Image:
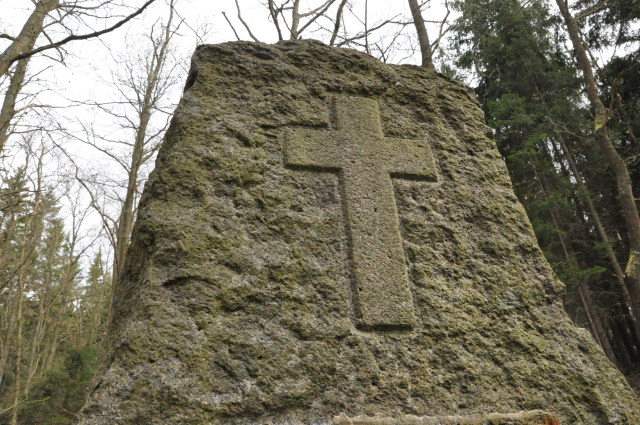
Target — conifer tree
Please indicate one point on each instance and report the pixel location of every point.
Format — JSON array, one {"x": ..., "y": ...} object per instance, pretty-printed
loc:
[{"x": 530, "y": 93}]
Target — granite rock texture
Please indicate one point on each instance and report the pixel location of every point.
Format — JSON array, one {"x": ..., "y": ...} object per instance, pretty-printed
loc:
[
  {"x": 521, "y": 418},
  {"x": 242, "y": 302}
]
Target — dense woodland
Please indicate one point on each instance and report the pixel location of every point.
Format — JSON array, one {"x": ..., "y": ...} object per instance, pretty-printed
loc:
[{"x": 558, "y": 80}]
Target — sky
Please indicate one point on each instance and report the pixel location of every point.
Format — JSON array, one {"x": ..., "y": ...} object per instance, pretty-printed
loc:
[
  {"x": 88, "y": 69},
  {"x": 87, "y": 62}
]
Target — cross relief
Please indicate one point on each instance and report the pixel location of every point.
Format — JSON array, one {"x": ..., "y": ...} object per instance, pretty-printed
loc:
[{"x": 366, "y": 161}]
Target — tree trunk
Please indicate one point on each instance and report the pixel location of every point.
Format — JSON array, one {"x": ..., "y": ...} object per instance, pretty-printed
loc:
[
  {"x": 9, "y": 322},
  {"x": 9, "y": 104},
  {"x": 336, "y": 27},
  {"x": 295, "y": 20},
  {"x": 618, "y": 330},
  {"x": 15, "y": 401},
  {"x": 423, "y": 36},
  {"x": 36, "y": 341},
  {"x": 598, "y": 329},
  {"x": 148, "y": 103},
  {"x": 617, "y": 164},
  {"x": 28, "y": 35},
  {"x": 44, "y": 318}
]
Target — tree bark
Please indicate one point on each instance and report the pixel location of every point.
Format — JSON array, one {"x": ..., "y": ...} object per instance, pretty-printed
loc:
[
  {"x": 617, "y": 164},
  {"x": 423, "y": 36},
  {"x": 336, "y": 27},
  {"x": 7, "y": 112},
  {"x": 28, "y": 35},
  {"x": 598, "y": 329},
  {"x": 295, "y": 20},
  {"x": 9, "y": 104}
]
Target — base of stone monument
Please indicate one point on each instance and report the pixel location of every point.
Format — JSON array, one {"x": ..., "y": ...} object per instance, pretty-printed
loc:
[{"x": 535, "y": 417}]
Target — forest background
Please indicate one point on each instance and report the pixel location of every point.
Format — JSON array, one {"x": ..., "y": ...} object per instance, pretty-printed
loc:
[{"x": 88, "y": 88}]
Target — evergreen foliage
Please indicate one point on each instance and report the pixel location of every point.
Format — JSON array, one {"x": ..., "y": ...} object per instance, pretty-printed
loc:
[
  {"x": 533, "y": 99},
  {"x": 61, "y": 390},
  {"x": 51, "y": 318}
]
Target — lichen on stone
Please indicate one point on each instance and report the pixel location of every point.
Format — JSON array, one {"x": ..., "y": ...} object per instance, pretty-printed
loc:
[{"x": 236, "y": 304}]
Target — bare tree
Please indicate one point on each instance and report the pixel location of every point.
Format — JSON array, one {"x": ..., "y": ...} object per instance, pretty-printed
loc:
[
  {"x": 47, "y": 16},
  {"x": 26, "y": 39},
  {"x": 22, "y": 46},
  {"x": 142, "y": 110},
  {"x": 288, "y": 15},
  {"x": 325, "y": 20}
]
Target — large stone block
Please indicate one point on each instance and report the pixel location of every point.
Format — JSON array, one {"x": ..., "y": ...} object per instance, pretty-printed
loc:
[{"x": 327, "y": 239}]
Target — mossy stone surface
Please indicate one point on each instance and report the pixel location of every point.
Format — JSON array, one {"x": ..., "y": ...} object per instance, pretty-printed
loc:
[{"x": 237, "y": 303}]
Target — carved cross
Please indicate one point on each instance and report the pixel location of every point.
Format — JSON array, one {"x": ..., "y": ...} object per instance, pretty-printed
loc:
[{"x": 365, "y": 161}]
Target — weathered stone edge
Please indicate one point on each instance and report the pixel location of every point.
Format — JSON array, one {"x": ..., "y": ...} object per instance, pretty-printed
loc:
[{"x": 534, "y": 417}]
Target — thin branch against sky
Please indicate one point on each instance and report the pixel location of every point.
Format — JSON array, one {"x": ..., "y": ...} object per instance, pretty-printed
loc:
[{"x": 79, "y": 93}]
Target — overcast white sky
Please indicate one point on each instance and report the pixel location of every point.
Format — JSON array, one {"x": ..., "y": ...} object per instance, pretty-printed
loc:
[
  {"x": 85, "y": 74},
  {"x": 196, "y": 13},
  {"x": 88, "y": 64}
]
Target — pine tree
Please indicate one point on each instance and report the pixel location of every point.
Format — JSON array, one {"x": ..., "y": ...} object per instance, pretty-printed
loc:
[{"x": 531, "y": 97}]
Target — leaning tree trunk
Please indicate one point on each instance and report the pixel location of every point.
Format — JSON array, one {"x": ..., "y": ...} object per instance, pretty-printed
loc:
[
  {"x": 598, "y": 328},
  {"x": 28, "y": 35},
  {"x": 8, "y": 110},
  {"x": 616, "y": 163}
]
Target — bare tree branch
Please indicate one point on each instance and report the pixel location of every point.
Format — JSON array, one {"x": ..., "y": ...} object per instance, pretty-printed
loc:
[
  {"x": 316, "y": 16},
  {"x": 25, "y": 401},
  {"x": 74, "y": 38},
  {"x": 359, "y": 36},
  {"x": 244, "y": 23},
  {"x": 274, "y": 16},
  {"x": 592, "y": 10},
  {"x": 336, "y": 28},
  {"x": 231, "y": 25},
  {"x": 442, "y": 30}
]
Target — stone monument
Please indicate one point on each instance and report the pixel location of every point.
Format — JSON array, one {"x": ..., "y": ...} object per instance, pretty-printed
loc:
[{"x": 327, "y": 239}]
